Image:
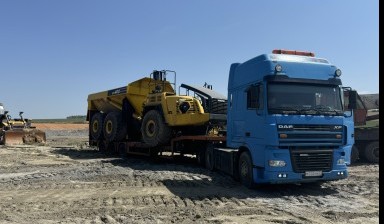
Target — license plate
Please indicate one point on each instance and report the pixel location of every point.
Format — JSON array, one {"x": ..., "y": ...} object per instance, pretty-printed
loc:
[{"x": 313, "y": 173}]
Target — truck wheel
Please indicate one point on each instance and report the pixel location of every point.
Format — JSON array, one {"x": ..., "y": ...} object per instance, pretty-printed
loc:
[
  {"x": 114, "y": 128},
  {"x": 209, "y": 159},
  {"x": 200, "y": 156},
  {"x": 371, "y": 152},
  {"x": 122, "y": 149},
  {"x": 154, "y": 130},
  {"x": 354, "y": 154},
  {"x": 96, "y": 126},
  {"x": 102, "y": 146},
  {"x": 110, "y": 149},
  {"x": 246, "y": 170}
]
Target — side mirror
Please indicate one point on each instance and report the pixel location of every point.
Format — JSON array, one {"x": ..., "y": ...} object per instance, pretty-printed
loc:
[{"x": 352, "y": 100}]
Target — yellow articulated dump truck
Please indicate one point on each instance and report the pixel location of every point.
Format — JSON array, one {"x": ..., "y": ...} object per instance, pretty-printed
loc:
[
  {"x": 19, "y": 130},
  {"x": 147, "y": 114}
]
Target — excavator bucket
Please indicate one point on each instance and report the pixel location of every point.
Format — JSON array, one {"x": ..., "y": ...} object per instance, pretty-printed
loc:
[{"x": 24, "y": 136}]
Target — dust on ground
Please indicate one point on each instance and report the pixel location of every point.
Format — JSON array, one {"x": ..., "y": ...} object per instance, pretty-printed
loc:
[{"x": 65, "y": 181}]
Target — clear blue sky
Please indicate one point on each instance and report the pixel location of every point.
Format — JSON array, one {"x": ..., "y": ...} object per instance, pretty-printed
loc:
[{"x": 54, "y": 53}]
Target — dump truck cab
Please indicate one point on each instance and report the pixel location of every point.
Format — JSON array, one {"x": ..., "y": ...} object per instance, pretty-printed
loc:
[
  {"x": 286, "y": 117},
  {"x": 178, "y": 110}
]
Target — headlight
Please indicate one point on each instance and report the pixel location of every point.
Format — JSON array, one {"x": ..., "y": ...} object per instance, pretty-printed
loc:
[
  {"x": 341, "y": 162},
  {"x": 278, "y": 68},
  {"x": 338, "y": 72},
  {"x": 184, "y": 107},
  {"x": 276, "y": 163}
]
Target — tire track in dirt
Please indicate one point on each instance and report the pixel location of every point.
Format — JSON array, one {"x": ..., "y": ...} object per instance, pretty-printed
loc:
[{"x": 79, "y": 185}]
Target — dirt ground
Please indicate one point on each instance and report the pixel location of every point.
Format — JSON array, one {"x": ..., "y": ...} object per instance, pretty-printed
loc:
[{"x": 65, "y": 181}]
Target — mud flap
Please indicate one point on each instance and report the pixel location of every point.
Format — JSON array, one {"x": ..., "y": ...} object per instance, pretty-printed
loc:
[{"x": 24, "y": 136}]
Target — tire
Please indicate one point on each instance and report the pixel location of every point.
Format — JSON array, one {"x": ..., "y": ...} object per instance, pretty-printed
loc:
[
  {"x": 154, "y": 153},
  {"x": 154, "y": 130},
  {"x": 122, "y": 149},
  {"x": 200, "y": 156},
  {"x": 102, "y": 146},
  {"x": 354, "y": 154},
  {"x": 96, "y": 126},
  {"x": 110, "y": 151},
  {"x": 246, "y": 170},
  {"x": 114, "y": 129},
  {"x": 371, "y": 152},
  {"x": 209, "y": 159}
]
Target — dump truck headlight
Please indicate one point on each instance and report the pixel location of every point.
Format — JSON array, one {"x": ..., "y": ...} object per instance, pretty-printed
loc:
[
  {"x": 341, "y": 162},
  {"x": 276, "y": 163},
  {"x": 184, "y": 107}
]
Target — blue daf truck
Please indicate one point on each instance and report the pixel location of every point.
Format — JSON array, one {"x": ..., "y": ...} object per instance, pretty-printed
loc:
[
  {"x": 284, "y": 120},
  {"x": 287, "y": 121}
]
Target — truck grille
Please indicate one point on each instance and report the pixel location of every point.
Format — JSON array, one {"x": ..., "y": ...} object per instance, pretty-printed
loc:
[
  {"x": 311, "y": 160},
  {"x": 310, "y": 135}
]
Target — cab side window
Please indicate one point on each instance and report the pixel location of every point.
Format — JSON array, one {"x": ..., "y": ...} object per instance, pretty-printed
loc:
[{"x": 255, "y": 97}]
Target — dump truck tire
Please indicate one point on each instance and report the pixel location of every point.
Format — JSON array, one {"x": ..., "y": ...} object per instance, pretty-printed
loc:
[
  {"x": 200, "y": 155},
  {"x": 122, "y": 148},
  {"x": 354, "y": 154},
  {"x": 102, "y": 146},
  {"x": 96, "y": 126},
  {"x": 246, "y": 170},
  {"x": 371, "y": 152},
  {"x": 154, "y": 130},
  {"x": 114, "y": 129}
]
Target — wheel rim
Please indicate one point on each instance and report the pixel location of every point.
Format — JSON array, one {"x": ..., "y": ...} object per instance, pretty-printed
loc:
[
  {"x": 150, "y": 128},
  {"x": 108, "y": 127},
  {"x": 95, "y": 126},
  {"x": 244, "y": 169}
]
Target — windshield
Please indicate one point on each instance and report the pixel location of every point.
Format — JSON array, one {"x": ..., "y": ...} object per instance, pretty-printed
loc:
[{"x": 295, "y": 98}]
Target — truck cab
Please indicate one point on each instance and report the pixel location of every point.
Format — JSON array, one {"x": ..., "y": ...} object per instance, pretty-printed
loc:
[{"x": 287, "y": 119}]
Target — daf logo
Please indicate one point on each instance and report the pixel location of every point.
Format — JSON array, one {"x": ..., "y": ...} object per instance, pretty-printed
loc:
[{"x": 285, "y": 126}]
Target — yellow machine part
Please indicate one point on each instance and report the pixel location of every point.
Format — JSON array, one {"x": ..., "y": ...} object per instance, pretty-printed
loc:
[
  {"x": 144, "y": 92},
  {"x": 24, "y": 136},
  {"x": 136, "y": 92},
  {"x": 194, "y": 116}
]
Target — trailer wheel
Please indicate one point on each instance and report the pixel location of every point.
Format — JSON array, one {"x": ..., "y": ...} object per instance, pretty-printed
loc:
[
  {"x": 154, "y": 130},
  {"x": 209, "y": 159},
  {"x": 102, "y": 146},
  {"x": 371, "y": 152},
  {"x": 110, "y": 149},
  {"x": 200, "y": 156},
  {"x": 354, "y": 154},
  {"x": 114, "y": 128},
  {"x": 96, "y": 126},
  {"x": 122, "y": 149},
  {"x": 246, "y": 170}
]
